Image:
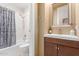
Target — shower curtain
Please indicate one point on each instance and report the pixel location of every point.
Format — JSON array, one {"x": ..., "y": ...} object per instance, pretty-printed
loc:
[{"x": 7, "y": 28}]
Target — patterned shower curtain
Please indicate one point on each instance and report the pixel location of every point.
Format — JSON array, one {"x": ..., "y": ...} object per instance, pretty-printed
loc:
[{"x": 7, "y": 28}]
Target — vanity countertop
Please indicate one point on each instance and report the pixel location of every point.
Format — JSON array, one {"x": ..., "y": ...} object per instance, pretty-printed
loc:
[{"x": 62, "y": 36}]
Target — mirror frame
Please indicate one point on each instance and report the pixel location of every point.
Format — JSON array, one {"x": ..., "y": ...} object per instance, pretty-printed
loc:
[{"x": 56, "y": 5}]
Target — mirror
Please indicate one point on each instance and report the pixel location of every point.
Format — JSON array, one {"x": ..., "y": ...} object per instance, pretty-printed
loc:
[
  {"x": 63, "y": 18},
  {"x": 61, "y": 15}
]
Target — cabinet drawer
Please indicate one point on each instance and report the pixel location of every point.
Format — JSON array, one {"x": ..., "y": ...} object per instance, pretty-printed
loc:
[
  {"x": 69, "y": 43},
  {"x": 50, "y": 40}
]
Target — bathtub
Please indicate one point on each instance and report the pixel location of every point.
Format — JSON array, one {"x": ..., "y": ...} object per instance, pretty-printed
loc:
[{"x": 20, "y": 49}]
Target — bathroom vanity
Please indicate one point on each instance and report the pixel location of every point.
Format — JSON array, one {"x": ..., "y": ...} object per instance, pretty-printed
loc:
[{"x": 61, "y": 45}]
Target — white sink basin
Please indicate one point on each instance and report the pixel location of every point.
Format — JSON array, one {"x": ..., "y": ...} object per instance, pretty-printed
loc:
[{"x": 62, "y": 36}]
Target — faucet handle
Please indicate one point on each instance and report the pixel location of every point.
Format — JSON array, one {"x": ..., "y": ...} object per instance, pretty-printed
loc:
[
  {"x": 24, "y": 35},
  {"x": 24, "y": 38}
]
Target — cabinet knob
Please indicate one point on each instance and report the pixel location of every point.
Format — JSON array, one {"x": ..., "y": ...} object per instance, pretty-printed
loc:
[{"x": 58, "y": 48}]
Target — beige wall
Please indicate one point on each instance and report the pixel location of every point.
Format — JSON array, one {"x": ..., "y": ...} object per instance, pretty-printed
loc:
[
  {"x": 42, "y": 25},
  {"x": 36, "y": 30},
  {"x": 41, "y": 18},
  {"x": 77, "y": 18},
  {"x": 39, "y": 28}
]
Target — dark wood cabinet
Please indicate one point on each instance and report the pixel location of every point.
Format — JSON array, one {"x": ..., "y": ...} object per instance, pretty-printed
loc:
[
  {"x": 59, "y": 47},
  {"x": 67, "y": 51},
  {"x": 50, "y": 49}
]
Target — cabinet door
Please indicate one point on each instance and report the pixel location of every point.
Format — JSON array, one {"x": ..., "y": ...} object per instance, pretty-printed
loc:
[
  {"x": 67, "y": 51},
  {"x": 50, "y": 49}
]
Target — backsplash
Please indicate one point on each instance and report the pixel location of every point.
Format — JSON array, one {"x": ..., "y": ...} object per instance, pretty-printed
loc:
[{"x": 61, "y": 31}]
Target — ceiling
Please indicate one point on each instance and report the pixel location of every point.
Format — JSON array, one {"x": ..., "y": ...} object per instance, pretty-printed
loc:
[{"x": 20, "y": 6}]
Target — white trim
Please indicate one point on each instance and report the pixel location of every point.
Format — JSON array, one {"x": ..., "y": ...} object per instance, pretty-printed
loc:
[{"x": 32, "y": 30}]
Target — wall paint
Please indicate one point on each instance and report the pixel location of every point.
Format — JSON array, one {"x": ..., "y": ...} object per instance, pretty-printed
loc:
[
  {"x": 42, "y": 26},
  {"x": 27, "y": 23},
  {"x": 41, "y": 18},
  {"x": 36, "y": 30},
  {"x": 77, "y": 18}
]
